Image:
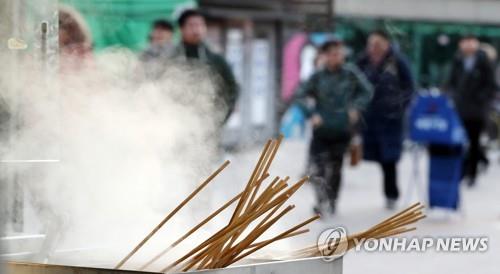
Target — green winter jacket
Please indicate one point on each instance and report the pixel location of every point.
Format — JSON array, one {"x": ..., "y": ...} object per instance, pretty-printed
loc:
[{"x": 333, "y": 94}]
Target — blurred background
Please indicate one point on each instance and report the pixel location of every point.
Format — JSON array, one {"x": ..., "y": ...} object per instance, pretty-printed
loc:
[{"x": 271, "y": 47}]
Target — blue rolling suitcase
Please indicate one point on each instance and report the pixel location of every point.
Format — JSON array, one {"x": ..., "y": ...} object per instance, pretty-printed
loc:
[{"x": 434, "y": 122}]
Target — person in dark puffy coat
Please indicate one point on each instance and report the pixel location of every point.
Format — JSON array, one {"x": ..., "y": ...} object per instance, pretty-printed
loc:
[
  {"x": 472, "y": 87},
  {"x": 391, "y": 77},
  {"x": 193, "y": 49}
]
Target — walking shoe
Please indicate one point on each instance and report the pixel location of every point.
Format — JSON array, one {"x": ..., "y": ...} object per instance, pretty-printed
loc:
[
  {"x": 317, "y": 210},
  {"x": 333, "y": 207},
  {"x": 471, "y": 182},
  {"x": 482, "y": 167},
  {"x": 390, "y": 204}
]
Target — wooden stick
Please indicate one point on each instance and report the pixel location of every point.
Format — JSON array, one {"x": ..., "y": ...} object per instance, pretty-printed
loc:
[
  {"x": 285, "y": 237},
  {"x": 270, "y": 215},
  {"x": 272, "y": 190},
  {"x": 209, "y": 258},
  {"x": 217, "y": 253},
  {"x": 278, "y": 143},
  {"x": 228, "y": 230},
  {"x": 250, "y": 238},
  {"x": 250, "y": 181},
  {"x": 190, "y": 232},
  {"x": 265, "y": 164},
  {"x": 262, "y": 200},
  {"x": 395, "y": 232},
  {"x": 313, "y": 251},
  {"x": 403, "y": 224},
  {"x": 255, "y": 190},
  {"x": 287, "y": 194},
  {"x": 268, "y": 157},
  {"x": 252, "y": 187},
  {"x": 408, "y": 210},
  {"x": 169, "y": 216},
  {"x": 272, "y": 240},
  {"x": 411, "y": 217},
  {"x": 293, "y": 189},
  {"x": 269, "y": 161},
  {"x": 260, "y": 169},
  {"x": 396, "y": 216},
  {"x": 216, "y": 243},
  {"x": 389, "y": 227},
  {"x": 276, "y": 238},
  {"x": 245, "y": 245},
  {"x": 220, "y": 249}
]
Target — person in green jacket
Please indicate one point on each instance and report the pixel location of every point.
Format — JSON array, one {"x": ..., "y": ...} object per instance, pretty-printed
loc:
[
  {"x": 192, "y": 48},
  {"x": 333, "y": 99}
]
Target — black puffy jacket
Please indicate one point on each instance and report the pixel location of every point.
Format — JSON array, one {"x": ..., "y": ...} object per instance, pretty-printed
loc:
[{"x": 472, "y": 91}]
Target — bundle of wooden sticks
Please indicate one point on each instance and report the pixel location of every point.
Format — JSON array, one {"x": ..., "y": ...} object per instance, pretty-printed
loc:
[
  {"x": 392, "y": 226},
  {"x": 258, "y": 207}
]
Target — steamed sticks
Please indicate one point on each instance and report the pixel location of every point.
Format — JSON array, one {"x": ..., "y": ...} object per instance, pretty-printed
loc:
[
  {"x": 194, "y": 229},
  {"x": 283, "y": 235},
  {"x": 395, "y": 225},
  {"x": 219, "y": 250},
  {"x": 228, "y": 231},
  {"x": 274, "y": 150},
  {"x": 251, "y": 180},
  {"x": 169, "y": 216},
  {"x": 238, "y": 248},
  {"x": 252, "y": 236},
  {"x": 222, "y": 260},
  {"x": 262, "y": 167},
  {"x": 282, "y": 238}
]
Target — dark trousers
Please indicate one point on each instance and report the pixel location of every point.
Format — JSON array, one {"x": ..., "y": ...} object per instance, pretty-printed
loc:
[
  {"x": 325, "y": 167},
  {"x": 474, "y": 128},
  {"x": 389, "y": 171}
]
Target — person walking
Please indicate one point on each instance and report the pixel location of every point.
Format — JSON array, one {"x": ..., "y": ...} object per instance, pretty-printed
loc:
[
  {"x": 390, "y": 74},
  {"x": 75, "y": 41},
  {"x": 472, "y": 87},
  {"x": 332, "y": 99},
  {"x": 193, "y": 48},
  {"x": 160, "y": 49},
  {"x": 160, "y": 41}
]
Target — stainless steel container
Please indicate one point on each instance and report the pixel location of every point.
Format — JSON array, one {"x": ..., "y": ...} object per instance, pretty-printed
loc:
[{"x": 309, "y": 265}]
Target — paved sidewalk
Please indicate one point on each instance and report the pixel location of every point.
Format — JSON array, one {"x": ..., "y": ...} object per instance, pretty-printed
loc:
[{"x": 361, "y": 205}]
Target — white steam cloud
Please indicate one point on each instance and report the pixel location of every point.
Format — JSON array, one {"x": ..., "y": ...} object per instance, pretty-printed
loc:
[{"x": 127, "y": 149}]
